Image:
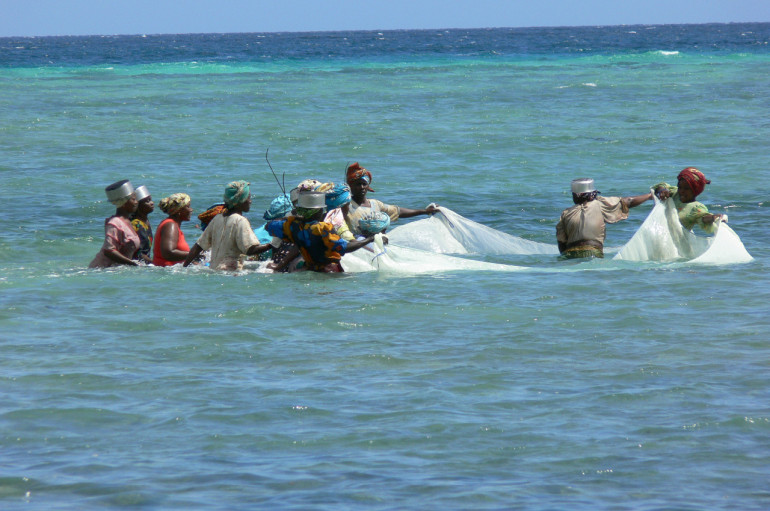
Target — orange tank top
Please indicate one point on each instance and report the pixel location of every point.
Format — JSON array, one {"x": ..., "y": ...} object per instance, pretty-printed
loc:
[{"x": 181, "y": 244}]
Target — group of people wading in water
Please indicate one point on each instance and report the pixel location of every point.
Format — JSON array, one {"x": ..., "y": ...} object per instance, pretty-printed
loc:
[{"x": 313, "y": 226}]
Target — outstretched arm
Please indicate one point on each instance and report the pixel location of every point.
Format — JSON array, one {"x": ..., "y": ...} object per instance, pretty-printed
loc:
[
  {"x": 407, "y": 213},
  {"x": 634, "y": 201},
  {"x": 355, "y": 245}
]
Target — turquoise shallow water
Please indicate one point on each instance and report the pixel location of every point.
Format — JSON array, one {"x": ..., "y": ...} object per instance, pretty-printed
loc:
[{"x": 592, "y": 385}]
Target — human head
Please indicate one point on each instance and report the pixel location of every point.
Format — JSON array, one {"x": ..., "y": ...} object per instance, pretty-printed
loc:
[
  {"x": 306, "y": 185},
  {"x": 236, "y": 193},
  {"x": 583, "y": 190},
  {"x": 694, "y": 179},
  {"x": 177, "y": 205},
  {"x": 146, "y": 204},
  {"x": 119, "y": 192},
  {"x": 337, "y": 196},
  {"x": 356, "y": 172},
  {"x": 310, "y": 204},
  {"x": 280, "y": 207}
]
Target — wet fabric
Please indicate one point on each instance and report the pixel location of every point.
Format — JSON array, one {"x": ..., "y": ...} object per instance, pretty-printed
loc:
[
  {"x": 144, "y": 230},
  {"x": 229, "y": 238},
  {"x": 586, "y": 222},
  {"x": 119, "y": 235},
  {"x": 318, "y": 243},
  {"x": 181, "y": 244},
  {"x": 662, "y": 237},
  {"x": 690, "y": 213}
]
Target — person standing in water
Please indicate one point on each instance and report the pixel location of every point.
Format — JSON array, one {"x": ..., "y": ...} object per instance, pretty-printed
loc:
[
  {"x": 359, "y": 179},
  {"x": 229, "y": 235},
  {"x": 141, "y": 223},
  {"x": 120, "y": 240},
  {"x": 318, "y": 242},
  {"x": 690, "y": 183},
  {"x": 170, "y": 245},
  {"x": 581, "y": 228}
]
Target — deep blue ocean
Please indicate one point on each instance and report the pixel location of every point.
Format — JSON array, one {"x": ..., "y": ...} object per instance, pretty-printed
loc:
[{"x": 580, "y": 385}]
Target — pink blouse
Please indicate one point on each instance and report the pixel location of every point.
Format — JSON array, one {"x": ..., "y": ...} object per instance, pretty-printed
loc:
[{"x": 118, "y": 235}]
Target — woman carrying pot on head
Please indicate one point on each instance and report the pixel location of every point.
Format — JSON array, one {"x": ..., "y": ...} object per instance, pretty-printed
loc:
[
  {"x": 170, "y": 245},
  {"x": 141, "y": 223},
  {"x": 317, "y": 241},
  {"x": 359, "y": 179},
  {"x": 120, "y": 240}
]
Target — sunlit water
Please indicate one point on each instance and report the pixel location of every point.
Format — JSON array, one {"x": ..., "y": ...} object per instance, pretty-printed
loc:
[{"x": 569, "y": 385}]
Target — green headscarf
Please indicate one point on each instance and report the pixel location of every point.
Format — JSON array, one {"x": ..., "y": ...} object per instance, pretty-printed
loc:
[{"x": 236, "y": 192}]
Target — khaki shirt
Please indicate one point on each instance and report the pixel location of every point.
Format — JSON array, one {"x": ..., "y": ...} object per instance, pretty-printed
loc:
[{"x": 585, "y": 222}]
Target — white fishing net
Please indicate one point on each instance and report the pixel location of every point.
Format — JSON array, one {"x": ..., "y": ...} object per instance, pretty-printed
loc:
[{"x": 662, "y": 238}]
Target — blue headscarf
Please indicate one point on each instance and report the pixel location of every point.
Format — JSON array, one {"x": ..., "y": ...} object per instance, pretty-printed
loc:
[
  {"x": 337, "y": 196},
  {"x": 236, "y": 192},
  {"x": 374, "y": 223},
  {"x": 279, "y": 208}
]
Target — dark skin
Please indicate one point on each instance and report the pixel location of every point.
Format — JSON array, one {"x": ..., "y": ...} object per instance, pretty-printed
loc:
[
  {"x": 686, "y": 195},
  {"x": 146, "y": 206},
  {"x": 125, "y": 211},
  {"x": 169, "y": 235},
  {"x": 360, "y": 187},
  {"x": 241, "y": 208},
  {"x": 629, "y": 202},
  {"x": 318, "y": 217}
]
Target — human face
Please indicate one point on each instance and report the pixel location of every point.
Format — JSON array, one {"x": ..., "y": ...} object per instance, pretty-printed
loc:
[
  {"x": 685, "y": 192},
  {"x": 131, "y": 204},
  {"x": 186, "y": 212},
  {"x": 146, "y": 205},
  {"x": 358, "y": 189}
]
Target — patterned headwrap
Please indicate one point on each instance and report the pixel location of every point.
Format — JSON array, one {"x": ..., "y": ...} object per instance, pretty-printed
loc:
[
  {"x": 236, "y": 192},
  {"x": 172, "y": 204},
  {"x": 207, "y": 216},
  {"x": 279, "y": 208},
  {"x": 695, "y": 179},
  {"x": 307, "y": 184},
  {"x": 337, "y": 196},
  {"x": 374, "y": 223},
  {"x": 356, "y": 172}
]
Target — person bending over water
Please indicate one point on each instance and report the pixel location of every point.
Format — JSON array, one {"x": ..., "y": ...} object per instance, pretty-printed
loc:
[
  {"x": 120, "y": 240},
  {"x": 229, "y": 235},
  {"x": 581, "y": 228},
  {"x": 690, "y": 184},
  {"x": 359, "y": 179},
  {"x": 170, "y": 245}
]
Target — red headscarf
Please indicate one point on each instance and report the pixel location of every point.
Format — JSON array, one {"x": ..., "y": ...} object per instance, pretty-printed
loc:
[
  {"x": 356, "y": 172},
  {"x": 695, "y": 179}
]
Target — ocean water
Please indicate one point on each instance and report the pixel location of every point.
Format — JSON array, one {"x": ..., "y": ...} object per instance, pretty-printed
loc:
[{"x": 569, "y": 385}]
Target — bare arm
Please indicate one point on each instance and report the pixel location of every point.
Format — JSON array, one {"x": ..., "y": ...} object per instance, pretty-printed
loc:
[
  {"x": 169, "y": 239},
  {"x": 195, "y": 251},
  {"x": 408, "y": 213},
  {"x": 119, "y": 258},
  {"x": 632, "y": 202},
  {"x": 355, "y": 245}
]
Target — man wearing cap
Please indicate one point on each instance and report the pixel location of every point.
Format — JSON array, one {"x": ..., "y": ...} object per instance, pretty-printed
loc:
[
  {"x": 581, "y": 228},
  {"x": 321, "y": 247}
]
